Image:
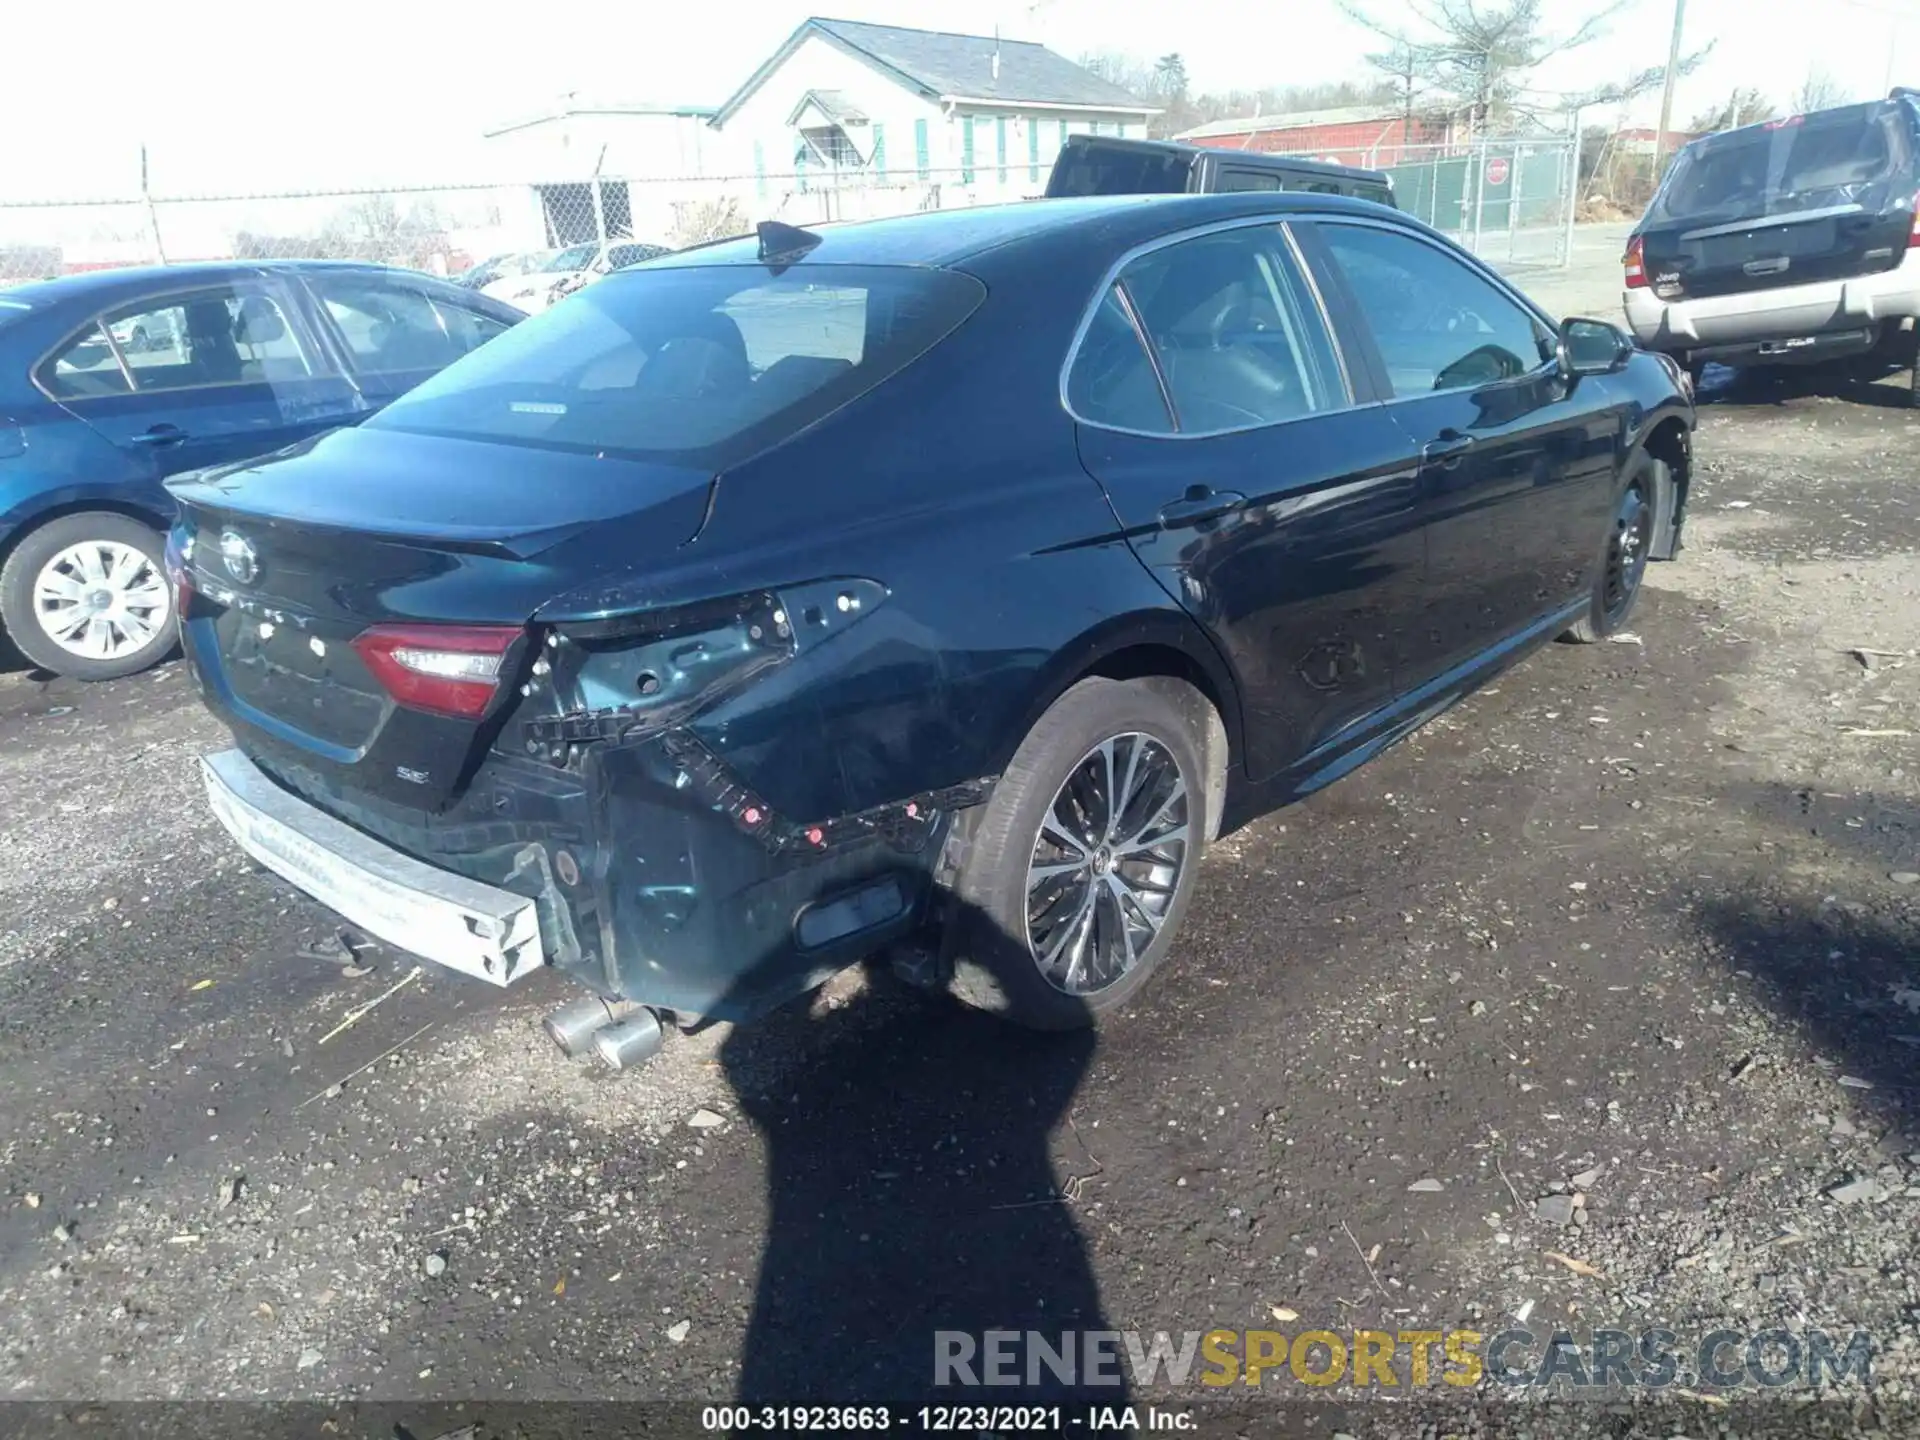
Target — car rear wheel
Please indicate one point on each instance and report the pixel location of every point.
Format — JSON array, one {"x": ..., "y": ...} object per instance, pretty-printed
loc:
[
  {"x": 1082, "y": 862},
  {"x": 87, "y": 596},
  {"x": 1623, "y": 561}
]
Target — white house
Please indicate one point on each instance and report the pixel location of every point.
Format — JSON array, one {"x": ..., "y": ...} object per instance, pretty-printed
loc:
[
  {"x": 843, "y": 121},
  {"x": 633, "y": 155},
  {"x": 852, "y": 108}
]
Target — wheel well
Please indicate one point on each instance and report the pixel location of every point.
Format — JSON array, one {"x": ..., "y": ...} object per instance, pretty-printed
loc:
[
  {"x": 1668, "y": 442},
  {"x": 52, "y": 513},
  {"x": 1144, "y": 662}
]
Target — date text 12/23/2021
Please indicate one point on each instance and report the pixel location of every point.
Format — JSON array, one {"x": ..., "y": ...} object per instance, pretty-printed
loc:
[{"x": 946, "y": 1419}]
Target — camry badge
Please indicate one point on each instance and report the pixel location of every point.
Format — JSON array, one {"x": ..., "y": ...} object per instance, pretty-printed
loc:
[{"x": 236, "y": 553}]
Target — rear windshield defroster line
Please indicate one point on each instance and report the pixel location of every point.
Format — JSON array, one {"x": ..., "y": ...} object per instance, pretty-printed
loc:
[{"x": 695, "y": 365}]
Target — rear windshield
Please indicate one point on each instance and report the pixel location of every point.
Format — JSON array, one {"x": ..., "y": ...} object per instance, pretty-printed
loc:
[
  {"x": 1119, "y": 170},
  {"x": 1852, "y": 157},
  {"x": 702, "y": 365}
]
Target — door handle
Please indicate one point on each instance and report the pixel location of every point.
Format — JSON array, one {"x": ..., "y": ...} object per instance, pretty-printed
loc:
[
  {"x": 1200, "y": 503},
  {"x": 1448, "y": 451},
  {"x": 162, "y": 434}
]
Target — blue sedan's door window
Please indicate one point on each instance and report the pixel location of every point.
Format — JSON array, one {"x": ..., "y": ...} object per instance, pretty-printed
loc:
[{"x": 199, "y": 377}]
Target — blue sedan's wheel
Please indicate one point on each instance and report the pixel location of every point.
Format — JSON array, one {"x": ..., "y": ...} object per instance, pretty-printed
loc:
[
  {"x": 87, "y": 596},
  {"x": 1081, "y": 863}
]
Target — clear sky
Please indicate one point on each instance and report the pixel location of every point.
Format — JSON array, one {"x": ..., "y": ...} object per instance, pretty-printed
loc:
[{"x": 247, "y": 96}]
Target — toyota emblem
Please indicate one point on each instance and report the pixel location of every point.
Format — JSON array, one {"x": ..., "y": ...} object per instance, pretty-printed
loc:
[{"x": 236, "y": 553}]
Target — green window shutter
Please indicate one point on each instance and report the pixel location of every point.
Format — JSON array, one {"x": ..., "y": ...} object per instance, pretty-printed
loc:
[
  {"x": 1000, "y": 145},
  {"x": 880, "y": 151},
  {"x": 921, "y": 161},
  {"x": 1033, "y": 149},
  {"x": 966, "y": 151},
  {"x": 1063, "y": 134},
  {"x": 760, "y": 169},
  {"x": 800, "y": 168}
]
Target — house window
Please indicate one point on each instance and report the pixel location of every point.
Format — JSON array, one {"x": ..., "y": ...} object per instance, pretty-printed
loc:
[{"x": 831, "y": 147}]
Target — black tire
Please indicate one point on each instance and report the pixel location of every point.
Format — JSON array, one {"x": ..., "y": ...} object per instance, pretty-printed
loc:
[
  {"x": 995, "y": 967},
  {"x": 1623, "y": 554},
  {"x": 31, "y": 555}
]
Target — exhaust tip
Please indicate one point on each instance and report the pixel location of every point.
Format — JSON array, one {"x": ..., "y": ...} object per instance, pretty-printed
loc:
[
  {"x": 573, "y": 1025},
  {"x": 630, "y": 1042}
]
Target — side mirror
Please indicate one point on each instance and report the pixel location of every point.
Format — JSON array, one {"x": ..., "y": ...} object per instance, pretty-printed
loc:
[{"x": 1593, "y": 347}]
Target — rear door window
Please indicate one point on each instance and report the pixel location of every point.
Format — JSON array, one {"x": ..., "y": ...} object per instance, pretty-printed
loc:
[
  {"x": 692, "y": 364},
  {"x": 1237, "y": 334},
  {"x": 1112, "y": 382},
  {"x": 199, "y": 340},
  {"x": 83, "y": 368}
]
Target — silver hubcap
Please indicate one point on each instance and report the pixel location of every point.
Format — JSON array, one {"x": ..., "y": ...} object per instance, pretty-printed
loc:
[
  {"x": 102, "y": 600},
  {"x": 1106, "y": 863}
]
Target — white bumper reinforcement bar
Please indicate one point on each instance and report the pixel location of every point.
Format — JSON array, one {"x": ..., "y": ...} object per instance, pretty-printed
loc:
[{"x": 459, "y": 923}]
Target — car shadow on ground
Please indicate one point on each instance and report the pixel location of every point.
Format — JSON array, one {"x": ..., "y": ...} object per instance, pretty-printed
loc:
[
  {"x": 1845, "y": 966},
  {"x": 922, "y": 1162}
]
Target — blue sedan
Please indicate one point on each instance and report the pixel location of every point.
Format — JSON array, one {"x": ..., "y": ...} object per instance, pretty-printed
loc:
[{"x": 112, "y": 382}]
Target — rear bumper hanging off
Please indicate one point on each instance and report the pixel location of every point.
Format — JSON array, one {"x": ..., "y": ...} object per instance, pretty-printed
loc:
[{"x": 465, "y": 925}]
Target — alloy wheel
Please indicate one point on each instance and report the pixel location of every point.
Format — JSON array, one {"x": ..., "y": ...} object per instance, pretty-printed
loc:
[
  {"x": 102, "y": 600},
  {"x": 1107, "y": 863},
  {"x": 1627, "y": 552}
]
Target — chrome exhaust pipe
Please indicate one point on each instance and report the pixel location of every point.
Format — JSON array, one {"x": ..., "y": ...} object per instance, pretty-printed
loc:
[
  {"x": 572, "y": 1026},
  {"x": 630, "y": 1042}
]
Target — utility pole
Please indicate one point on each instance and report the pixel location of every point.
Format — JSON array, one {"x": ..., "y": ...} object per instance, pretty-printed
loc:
[{"x": 1666, "y": 94}]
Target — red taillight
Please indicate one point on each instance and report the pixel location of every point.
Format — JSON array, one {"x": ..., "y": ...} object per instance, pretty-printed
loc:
[
  {"x": 1913, "y": 234},
  {"x": 443, "y": 669},
  {"x": 1636, "y": 262}
]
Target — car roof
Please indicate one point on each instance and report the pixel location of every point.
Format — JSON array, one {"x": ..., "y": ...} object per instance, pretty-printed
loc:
[
  {"x": 949, "y": 237},
  {"x": 103, "y": 286}
]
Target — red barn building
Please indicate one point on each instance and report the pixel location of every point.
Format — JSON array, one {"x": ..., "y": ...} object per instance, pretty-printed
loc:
[{"x": 1367, "y": 135}]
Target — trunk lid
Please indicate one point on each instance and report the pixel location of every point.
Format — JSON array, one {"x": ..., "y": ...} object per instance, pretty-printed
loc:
[
  {"x": 294, "y": 559},
  {"x": 1826, "y": 196}
]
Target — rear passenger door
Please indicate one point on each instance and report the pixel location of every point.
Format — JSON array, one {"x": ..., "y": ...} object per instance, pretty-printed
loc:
[
  {"x": 395, "y": 333},
  {"x": 200, "y": 376},
  {"x": 1517, "y": 461},
  {"x": 1255, "y": 478}
]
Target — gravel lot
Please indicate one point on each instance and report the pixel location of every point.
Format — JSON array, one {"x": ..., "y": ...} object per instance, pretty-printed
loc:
[{"x": 1647, "y": 909}]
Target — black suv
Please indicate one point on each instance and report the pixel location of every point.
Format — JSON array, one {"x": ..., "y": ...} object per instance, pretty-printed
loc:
[
  {"x": 1100, "y": 165},
  {"x": 1785, "y": 242}
]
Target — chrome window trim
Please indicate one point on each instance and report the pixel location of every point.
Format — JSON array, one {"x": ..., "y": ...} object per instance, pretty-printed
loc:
[
  {"x": 1479, "y": 267},
  {"x": 1111, "y": 278},
  {"x": 1125, "y": 297}
]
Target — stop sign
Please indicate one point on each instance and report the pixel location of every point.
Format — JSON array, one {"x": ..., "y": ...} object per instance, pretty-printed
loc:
[{"x": 1497, "y": 170}]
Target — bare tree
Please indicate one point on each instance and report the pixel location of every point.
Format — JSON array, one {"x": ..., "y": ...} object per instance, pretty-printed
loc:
[
  {"x": 1819, "y": 91},
  {"x": 695, "y": 222},
  {"x": 1474, "y": 57},
  {"x": 1746, "y": 106}
]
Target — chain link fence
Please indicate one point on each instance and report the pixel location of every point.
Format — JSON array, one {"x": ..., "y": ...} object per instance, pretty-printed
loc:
[{"x": 1509, "y": 199}]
